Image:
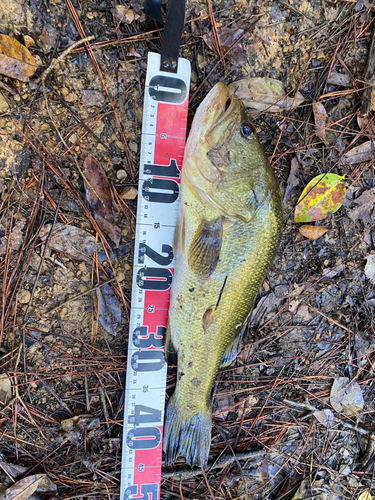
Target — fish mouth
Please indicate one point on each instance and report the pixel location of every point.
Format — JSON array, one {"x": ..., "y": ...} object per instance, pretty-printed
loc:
[{"x": 224, "y": 120}]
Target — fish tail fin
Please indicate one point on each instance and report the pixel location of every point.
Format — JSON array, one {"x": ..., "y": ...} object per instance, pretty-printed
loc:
[{"x": 187, "y": 436}]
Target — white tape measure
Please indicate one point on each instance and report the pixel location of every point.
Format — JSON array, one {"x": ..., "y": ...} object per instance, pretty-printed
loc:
[{"x": 162, "y": 149}]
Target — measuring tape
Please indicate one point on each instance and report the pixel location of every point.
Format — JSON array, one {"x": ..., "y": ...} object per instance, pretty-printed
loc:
[{"x": 162, "y": 150}]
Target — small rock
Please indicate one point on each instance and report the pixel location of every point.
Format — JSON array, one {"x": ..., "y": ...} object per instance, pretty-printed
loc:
[
  {"x": 71, "y": 97},
  {"x": 4, "y": 107},
  {"x": 120, "y": 276},
  {"x": 92, "y": 98},
  {"x": 24, "y": 296},
  {"x": 121, "y": 175},
  {"x": 133, "y": 146},
  {"x": 73, "y": 138},
  {"x": 129, "y": 193},
  {"x": 127, "y": 267},
  {"x": 28, "y": 41}
]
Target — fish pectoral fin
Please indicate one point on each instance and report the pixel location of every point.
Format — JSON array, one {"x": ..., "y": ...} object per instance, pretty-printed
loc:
[
  {"x": 204, "y": 251},
  {"x": 232, "y": 349}
]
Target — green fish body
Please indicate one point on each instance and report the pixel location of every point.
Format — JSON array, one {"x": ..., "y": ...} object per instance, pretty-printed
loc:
[{"x": 228, "y": 232}]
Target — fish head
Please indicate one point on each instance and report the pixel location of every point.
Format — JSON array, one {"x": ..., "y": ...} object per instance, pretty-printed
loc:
[
  {"x": 224, "y": 162},
  {"x": 229, "y": 120}
]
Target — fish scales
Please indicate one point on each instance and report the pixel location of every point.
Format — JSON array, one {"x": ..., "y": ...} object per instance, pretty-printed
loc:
[{"x": 227, "y": 234}]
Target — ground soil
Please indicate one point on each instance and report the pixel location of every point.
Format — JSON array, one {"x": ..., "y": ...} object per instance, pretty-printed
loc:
[{"x": 314, "y": 320}]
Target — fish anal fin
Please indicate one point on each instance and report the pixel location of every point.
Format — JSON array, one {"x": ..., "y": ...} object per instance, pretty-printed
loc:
[
  {"x": 169, "y": 349},
  {"x": 187, "y": 435},
  {"x": 204, "y": 251},
  {"x": 232, "y": 349}
]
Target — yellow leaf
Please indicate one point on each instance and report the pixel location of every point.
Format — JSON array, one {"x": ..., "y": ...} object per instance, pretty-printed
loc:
[
  {"x": 15, "y": 59},
  {"x": 322, "y": 196},
  {"x": 365, "y": 495}
]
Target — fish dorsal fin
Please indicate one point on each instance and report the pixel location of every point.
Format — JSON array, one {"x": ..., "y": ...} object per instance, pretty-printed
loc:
[{"x": 204, "y": 251}]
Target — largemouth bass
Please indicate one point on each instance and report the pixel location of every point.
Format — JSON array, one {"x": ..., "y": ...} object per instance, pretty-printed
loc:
[{"x": 227, "y": 234}]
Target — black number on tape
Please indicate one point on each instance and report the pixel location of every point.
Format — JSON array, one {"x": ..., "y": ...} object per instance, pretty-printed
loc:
[
  {"x": 170, "y": 170},
  {"x": 154, "y": 278},
  {"x": 144, "y": 340},
  {"x": 147, "y": 361},
  {"x": 146, "y": 491},
  {"x": 156, "y": 257},
  {"x": 160, "y": 190},
  {"x": 145, "y": 415},
  {"x": 151, "y": 437}
]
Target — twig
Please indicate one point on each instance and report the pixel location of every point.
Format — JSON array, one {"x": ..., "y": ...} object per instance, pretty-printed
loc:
[
  {"x": 369, "y": 78},
  {"x": 64, "y": 54},
  {"x": 79, "y": 295},
  {"x": 104, "y": 405},
  {"x": 187, "y": 473}
]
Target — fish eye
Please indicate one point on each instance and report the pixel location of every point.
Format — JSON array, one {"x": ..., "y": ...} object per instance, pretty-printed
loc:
[{"x": 246, "y": 130}]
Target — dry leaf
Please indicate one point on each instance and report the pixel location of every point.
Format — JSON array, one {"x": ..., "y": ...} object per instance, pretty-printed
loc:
[
  {"x": 293, "y": 180},
  {"x": 364, "y": 345},
  {"x": 265, "y": 94},
  {"x": 365, "y": 204},
  {"x": 293, "y": 305},
  {"x": 224, "y": 404},
  {"x": 99, "y": 197},
  {"x": 303, "y": 313},
  {"x": 359, "y": 154},
  {"x": 71, "y": 240},
  {"x": 15, "y": 238},
  {"x": 341, "y": 79},
  {"x": 269, "y": 304},
  {"x": 366, "y": 124},
  {"x": 125, "y": 14},
  {"x": 5, "y": 388},
  {"x": 15, "y": 59},
  {"x": 370, "y": 268},
  {"x": 13, "y": 470},
  {"x": 92, "y": 98},
  {"x": 346, "y": 396},
  {"x": 98, "y": 192},
  {"x": 320, "y": 115},
  {"x": 331, "y": 273},
  {"x": 81, "y": 423},
  {"x": 109, "y": 310},
  {"x": 312, "y": 232},
  {"x": 127, "y": 72},
  {"x": 325, "y": 417},
  {"x": 23, "y": 489},
  {"x": 230, "y": 45},
  {"x": 48, "y": 37}
]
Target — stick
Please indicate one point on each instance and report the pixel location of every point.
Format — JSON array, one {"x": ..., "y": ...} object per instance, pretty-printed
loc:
[{"x": 64, "y": 54}]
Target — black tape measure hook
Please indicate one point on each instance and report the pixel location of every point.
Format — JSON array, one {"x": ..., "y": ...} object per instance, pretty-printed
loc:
[{"x": 170, "y": 45}]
